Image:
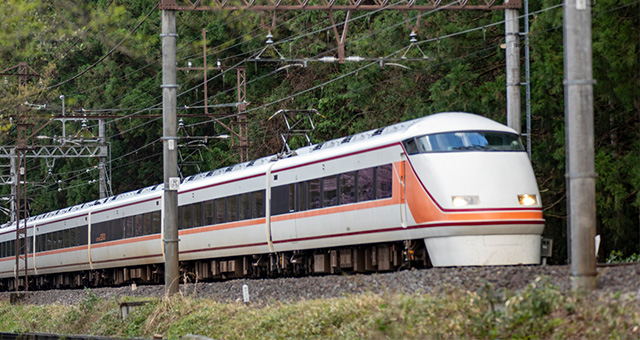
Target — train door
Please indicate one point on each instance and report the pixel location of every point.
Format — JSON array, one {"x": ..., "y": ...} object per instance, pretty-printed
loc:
[{"x": 402, "y": 181}]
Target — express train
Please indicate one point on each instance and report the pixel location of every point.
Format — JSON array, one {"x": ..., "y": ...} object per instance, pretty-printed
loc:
[{"x": 448, "y": 189}]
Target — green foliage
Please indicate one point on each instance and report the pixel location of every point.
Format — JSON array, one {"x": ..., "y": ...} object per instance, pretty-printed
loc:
[
  {"x": 62, "y": 38},
  {"x": 617, "y": 256}
]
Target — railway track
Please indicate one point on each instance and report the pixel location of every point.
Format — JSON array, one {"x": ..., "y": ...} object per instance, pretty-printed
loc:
[{"x": 624, "y": 278}]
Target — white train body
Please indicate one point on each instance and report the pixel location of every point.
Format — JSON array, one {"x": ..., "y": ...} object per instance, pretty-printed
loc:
[{"x": 393, "y": 184}]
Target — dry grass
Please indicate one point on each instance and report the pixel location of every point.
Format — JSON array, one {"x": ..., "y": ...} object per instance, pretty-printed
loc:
[{"x": 539, "y": 311}]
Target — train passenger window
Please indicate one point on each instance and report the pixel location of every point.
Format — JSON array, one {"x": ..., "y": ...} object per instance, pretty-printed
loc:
[
  {"x": 72, "y": 237},
  {"x": 2, "y": 254},
  {"x": 115, "y": 229},
  {"x": 280, "y": 197},
  {"x": 301, "y": 194},
  {"x": 66, "y": 238},
  {"x": 209, "y": 213},
  {"x": 258, "y": 204},
  {"x": 244, "y": 208},
  {"x": 348, "y": 187},
  {"x": 58, "y": 239},
  {"x": 128, "y": 227},
  {"x": 83, "y": 235},
  {"x": 330, "y": 191},
  {"x": 156, "y": 223},
  {"x": 11, "y": 247},
  {"x": 29, "y": 244},
  {"x": 138, "y": 225},
  {"x": 365, "y": 185},
  {"x": 147, "y": 223},
  {"x": 384, "y": 180},
  {"x": 96, "y": 231},
  {"x": 315, "y": 197},
  {"x": 232, "y": 208},
  {"x": 221, "y": 210},
  {"x": 186, "y": 216},
  {"x": 197, "y": 214}
]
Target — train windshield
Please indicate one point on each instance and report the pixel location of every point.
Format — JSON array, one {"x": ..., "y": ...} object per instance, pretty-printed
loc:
[{"x": 464, "y": 141}]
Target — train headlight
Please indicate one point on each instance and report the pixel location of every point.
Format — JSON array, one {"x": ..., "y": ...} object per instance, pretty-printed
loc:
[
  {"x": 527, "y": 199},
  {"x": 461, "y": 201}
]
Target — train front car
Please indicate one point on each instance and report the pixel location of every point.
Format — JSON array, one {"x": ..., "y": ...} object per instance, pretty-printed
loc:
[{"x": 471, "y": 192}]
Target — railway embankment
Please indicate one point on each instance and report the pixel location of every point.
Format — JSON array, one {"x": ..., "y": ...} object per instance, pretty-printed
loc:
[{"x": 470, "y": 302}]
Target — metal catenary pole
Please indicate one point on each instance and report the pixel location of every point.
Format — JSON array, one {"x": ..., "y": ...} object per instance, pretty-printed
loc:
[{"x": 580, "y": 137}]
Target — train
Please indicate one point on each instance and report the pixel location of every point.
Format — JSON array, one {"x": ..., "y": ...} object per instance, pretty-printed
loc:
[{"x": 447, "y": 189}]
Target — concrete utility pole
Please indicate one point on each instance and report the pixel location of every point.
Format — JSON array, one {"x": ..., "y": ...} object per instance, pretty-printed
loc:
[
  {"x": 102, "y": 141},
  {"x": 512, "y": 32},
  {"x": 170, "y": 151},
  {"x": 581, "y": 203}
]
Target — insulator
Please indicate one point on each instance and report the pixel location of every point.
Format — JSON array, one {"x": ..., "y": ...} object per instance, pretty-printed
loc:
[
  {"x": 269, "y": 39},
  {"x": 413, "y": 37},
  {"x": 328, "y": 59},
  {"x": 354, "y": 58},
  {"x": 181, "y": 123}
]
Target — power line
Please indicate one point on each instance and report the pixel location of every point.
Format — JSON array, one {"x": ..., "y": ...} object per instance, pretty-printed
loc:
[{"x": 108, "y": 53}]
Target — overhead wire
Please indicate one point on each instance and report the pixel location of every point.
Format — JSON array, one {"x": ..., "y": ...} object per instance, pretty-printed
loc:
[
  {"x": 108, "y": 53},
  {"x": 355, "y": 71}
]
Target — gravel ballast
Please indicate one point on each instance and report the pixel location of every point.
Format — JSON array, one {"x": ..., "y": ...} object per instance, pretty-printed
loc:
[{"x": 622, "y": 278}]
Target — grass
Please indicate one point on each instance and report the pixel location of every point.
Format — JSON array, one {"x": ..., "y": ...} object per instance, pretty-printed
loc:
[{"x": 540, "y": 311}]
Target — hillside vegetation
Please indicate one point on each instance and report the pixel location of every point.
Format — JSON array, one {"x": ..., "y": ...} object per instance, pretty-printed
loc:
[{"x": 65, "y": 40}]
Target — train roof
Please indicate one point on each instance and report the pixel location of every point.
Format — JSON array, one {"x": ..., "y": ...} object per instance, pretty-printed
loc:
[{"x": 439, "y": 122}]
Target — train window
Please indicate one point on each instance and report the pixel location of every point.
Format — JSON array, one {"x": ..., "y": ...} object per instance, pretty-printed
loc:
[
  {"x": 330, "y": 191},
  {"x": 73, "y": 237},
  {"x": 96, "y": 231},
  {"x": 221, "y": 210},
  {"x": 29, "y": 244},
  {"x": 59, "y": 236},
  {"x": 138, "y": 225},
  {"x": 301, "y": 194},
  {"x": 11, "y": 247},
  {"x": 197, "y": 214},
  {"x": 470, "y": 141},
  {"x": 280, "y": 197},
  {"x": 147, "y": 223},
  {"x": 2, "y": 249},
  {"x": 115, "y": 229},
  {"x": 411, "y": 146},
  {"x": 66, "y": 240},
  {"x": 315, "y": 198},
  {"x": 348, "y": 187},
  {"x": 365, "y": 185},
  {"x": 156, "y": 223},
  {"x": 209, "y": 213},
  {"x": 128, "y": 227},
  {"x": 232, "y": 208},
  {"x": 384, "y": 180},
  {"x": 244, "y": 208},
  {"x": 292, "y": 197},
  {"x": 258, "y": 204},
  {"x": 83, "y": 235},
  {"x": 47, "y": 241},
  {"x": 186, "y": 216}
]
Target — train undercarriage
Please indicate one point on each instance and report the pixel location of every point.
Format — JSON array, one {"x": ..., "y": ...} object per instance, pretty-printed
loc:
[{"x": 368, "y": 258}]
